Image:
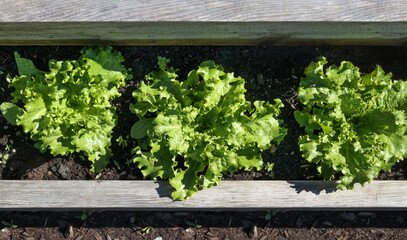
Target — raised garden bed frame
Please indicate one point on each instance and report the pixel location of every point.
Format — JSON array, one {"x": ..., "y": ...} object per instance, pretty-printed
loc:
[{"x": 197, "y": 22}]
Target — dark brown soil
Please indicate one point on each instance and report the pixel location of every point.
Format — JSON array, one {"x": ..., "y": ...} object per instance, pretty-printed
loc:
[
  {"x": 270, "y": 72},
  {"x": 205, "y": 225}
]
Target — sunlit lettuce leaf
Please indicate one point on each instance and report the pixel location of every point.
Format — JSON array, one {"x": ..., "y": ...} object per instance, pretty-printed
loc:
[
  {"x": 67, "y": 109},
  {"x": 355, "y": 122},
  {"x": 201, "y": 128},
  {"x": 11, "y": 112}
]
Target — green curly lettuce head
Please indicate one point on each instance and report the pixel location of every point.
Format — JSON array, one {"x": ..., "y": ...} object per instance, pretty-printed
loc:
[
  {"x": 67, "y": 109},
  {"x": 201, "y": 128},
  {"x": 355, "y": 122}
]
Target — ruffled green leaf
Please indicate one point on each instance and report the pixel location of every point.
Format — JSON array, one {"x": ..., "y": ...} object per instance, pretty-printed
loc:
[
  {"x": 355, "y": 122},
  {"x": 67, "y": 109},
  {"x": 201, "y": 128}
]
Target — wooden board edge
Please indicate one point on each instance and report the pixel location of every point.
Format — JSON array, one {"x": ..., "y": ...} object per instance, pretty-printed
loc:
[
  {"x": 228, "y": 196},
  {"x": 204, "y": 33}
]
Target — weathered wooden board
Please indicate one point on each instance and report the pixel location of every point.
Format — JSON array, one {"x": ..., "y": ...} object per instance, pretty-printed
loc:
[
  {"x": 203, "y": 22},
  {"x": 229, "y": 195},
  {"x": 202, "y": 10}
]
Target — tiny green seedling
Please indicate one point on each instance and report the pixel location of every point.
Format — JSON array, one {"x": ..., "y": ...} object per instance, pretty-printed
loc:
[
  {"x": 270, "y": 213},
  {"x": 86, "y": 214},
  {"x": 117, "y": 164},
  {"x": 367, "y": 221},
  {"x": 123, "y": 142},
  {"x": 4, "y": 158},
  {"x": 147, "y": 228},
  {"x": 7, "y": 224},
  {"x": 192, "y": 224},
  {"x": 269, "y": 167}
]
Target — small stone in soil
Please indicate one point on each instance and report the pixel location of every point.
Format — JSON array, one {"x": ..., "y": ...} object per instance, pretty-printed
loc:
[
  {"x": 327, "y": 223},
  {"x": 189, "y": 230},
  {"x": 351, "y": 217},
  {"x": 63, "y": 170},
  {"x": 260, "y": 79}
]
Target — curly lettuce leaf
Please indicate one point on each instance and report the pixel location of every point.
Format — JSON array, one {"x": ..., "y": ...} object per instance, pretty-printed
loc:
[
  {"x": 10, "y": 112},
  {"x": 355, "y": 122},
  {"x": 67, "y": 109},
  {"x": 201, "y": 128}
]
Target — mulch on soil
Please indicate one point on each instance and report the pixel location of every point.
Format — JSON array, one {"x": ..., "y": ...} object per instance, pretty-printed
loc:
[{"x": 205, "y": 225}]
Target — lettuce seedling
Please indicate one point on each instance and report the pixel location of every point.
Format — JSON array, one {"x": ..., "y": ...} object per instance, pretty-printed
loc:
[
  {"x": 194, "y": 131},
  {"x": 355, "y": 122},
  {"x": 67, "y": 109}
]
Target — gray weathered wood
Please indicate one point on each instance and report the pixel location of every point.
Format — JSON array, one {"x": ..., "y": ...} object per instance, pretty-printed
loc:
[
  {"x": 197, "y": 22},
  {"x": 202, "y": 10},
  {"x": 229, "y": 195}
]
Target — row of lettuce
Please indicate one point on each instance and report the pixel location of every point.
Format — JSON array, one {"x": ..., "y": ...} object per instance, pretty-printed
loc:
[{"x": 195, "y": 130}]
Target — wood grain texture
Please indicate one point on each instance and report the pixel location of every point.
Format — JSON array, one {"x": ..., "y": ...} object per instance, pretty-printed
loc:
[
  {"x": 229, "y": 195},
  {"x": 203, "y": 22},
  {"x": 202, "y": 10},
  {"x": 198, "y": 33}
]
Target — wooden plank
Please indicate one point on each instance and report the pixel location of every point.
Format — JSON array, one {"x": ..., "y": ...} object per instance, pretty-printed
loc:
[
  {"x": 202, "y": 10},
  {"x": 229, "y": 195},
  {"x": 209, "y": 22},
  {"x": 196, "y": 33}
]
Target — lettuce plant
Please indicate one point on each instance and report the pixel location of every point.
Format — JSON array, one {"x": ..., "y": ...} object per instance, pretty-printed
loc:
[
  {"x": 67, "y": 109},
  {"x": 194, "y": 131},
  {"x": 355, "y": 122}
]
